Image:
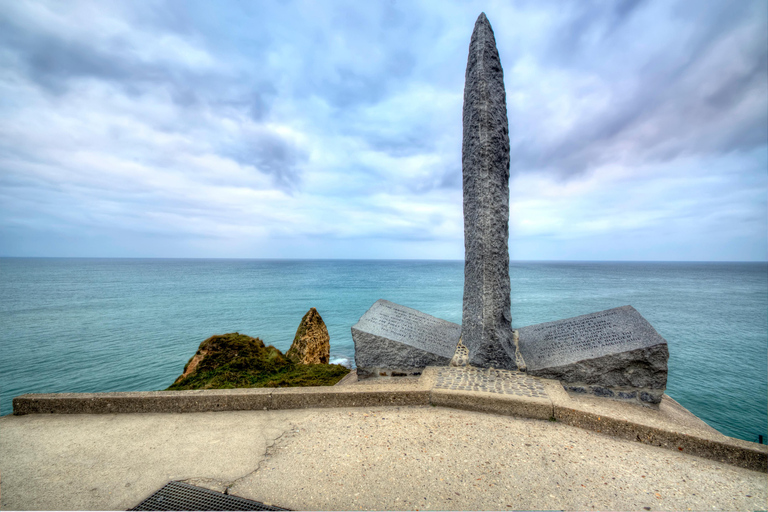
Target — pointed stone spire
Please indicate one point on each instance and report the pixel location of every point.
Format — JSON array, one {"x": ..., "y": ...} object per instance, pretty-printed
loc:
[
  {"x": 311, "y": 345},
  {"x": 486, "y": 328}
]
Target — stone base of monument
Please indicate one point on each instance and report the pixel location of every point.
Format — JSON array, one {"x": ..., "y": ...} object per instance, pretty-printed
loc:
[
  {"x": 642, "y": 395},
  {"x": 397, "y": 341},
  {"x": 614, "y": 354}
]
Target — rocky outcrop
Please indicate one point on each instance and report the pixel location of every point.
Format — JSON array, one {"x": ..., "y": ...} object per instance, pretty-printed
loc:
[
  {"x": 237, "y": 360},
  {"x": 311, "y": 345},
  {"x": 227, "y": 360}
]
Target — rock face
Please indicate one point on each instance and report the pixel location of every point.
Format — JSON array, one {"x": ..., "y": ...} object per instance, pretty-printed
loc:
[
  {"x": 311, "y": 345},
  {"x": 395, "y": 341},
  {"x": 236, "y": 360},
  {"x": 614, "y": 353},
  {"x": 486, "y": 318}
]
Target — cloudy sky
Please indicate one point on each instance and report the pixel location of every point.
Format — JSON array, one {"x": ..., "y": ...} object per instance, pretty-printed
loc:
[{"x": 332, "y": 129}]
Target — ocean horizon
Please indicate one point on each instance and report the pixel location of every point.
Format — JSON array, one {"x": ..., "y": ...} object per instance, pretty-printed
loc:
[{"x": 130, "y": 324}]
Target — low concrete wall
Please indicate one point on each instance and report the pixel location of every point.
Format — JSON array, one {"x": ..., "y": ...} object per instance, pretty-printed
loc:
[
  {"x": 671, "y": 426},
  {"x": 726, "y": 449},
  {"x": 216, "y": 400}
]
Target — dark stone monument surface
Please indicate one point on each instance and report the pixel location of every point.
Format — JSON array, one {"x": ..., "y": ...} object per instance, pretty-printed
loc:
[
  {"x": 396, "y": 340},
  {"x": 614, "y": 353},
  {"x": 486, "y": 318}
]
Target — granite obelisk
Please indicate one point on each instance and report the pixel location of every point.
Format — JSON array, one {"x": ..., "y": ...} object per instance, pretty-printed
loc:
[{"x": 486, "y": 328}]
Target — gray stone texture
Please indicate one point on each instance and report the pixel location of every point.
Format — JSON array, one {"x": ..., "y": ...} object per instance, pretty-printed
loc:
[
  {"x": 461, "y": 356},
  {"x": 486, "y": 318},
  {"x": 614, "y": 353},
  {"x": 396, "y": 340},
  {"x": 490, "y": 380}
]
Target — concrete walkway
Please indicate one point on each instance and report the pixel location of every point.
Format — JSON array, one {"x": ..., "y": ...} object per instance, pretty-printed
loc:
[
  {"x": 452, "y": 439},
  {"x": 405, "y": 458}
]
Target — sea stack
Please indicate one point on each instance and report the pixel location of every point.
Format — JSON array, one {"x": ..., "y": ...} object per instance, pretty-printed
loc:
[
  {"x": 311, "y": 344},
  {"x": 486, "y": 328}
]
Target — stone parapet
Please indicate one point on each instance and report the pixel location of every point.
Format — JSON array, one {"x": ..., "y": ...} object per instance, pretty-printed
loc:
[{"x": 668, "y": 426}]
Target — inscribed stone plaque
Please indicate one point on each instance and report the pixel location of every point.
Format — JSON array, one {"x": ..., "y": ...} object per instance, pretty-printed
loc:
[
  {"x": 613, "y": 352},
  {"x": 586, "y": 337},
  {"x": 394, "y": 339}
]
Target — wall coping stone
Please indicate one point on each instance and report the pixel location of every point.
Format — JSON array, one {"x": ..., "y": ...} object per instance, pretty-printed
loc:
[{"x": 669, "y": 426}]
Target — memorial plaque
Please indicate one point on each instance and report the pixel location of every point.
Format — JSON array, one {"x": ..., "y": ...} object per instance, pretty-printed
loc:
[
  {"x": 610, "y": 353},
  {"x": 394, "y": 340}
]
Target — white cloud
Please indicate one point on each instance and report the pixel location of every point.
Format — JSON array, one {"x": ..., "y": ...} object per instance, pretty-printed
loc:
[{"x": 261, "y": 129}]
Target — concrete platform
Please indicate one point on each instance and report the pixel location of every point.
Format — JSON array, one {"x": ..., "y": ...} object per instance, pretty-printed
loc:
[
  {"x": 396, "y": 458},
  {"x": 493, "y": 391},
  {"x": 404, "y": 444}
]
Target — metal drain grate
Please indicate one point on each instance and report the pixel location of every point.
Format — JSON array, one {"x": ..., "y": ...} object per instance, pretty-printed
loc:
[{"x": 181, "y": 496}]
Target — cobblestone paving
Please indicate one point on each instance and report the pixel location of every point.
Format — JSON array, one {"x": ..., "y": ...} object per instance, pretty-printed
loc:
[{"x": 490, "y": 380}]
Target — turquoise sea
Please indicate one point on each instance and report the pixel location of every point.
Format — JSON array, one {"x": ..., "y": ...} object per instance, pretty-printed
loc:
[{"x": 86, "y": 325}]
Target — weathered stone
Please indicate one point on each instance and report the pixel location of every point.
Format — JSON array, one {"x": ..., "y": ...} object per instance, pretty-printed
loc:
[
  {"x": 312, "y": 344},
  {"x": 393, "y": 340},
  {"x": 486, "y": 319},
  {"x": 614, "y": 353},
  {"x": 461, "y": 356},
  {"x": 237, "y": 360}
]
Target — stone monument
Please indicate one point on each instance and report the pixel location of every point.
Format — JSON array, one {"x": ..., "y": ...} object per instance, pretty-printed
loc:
[
  {"x": 614, "y": 353},
  {"x": 486, "y": 323}
]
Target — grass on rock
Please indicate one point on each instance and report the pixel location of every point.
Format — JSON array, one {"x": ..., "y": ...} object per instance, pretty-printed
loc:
[{"x": 236, "y": 360}]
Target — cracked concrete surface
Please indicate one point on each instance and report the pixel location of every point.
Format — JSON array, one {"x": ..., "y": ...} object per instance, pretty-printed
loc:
[
  {"x": 397, "y": 458},
  {"x": 113, "y": 462},
  {"x": 224, "y": 486},
  {"x": 423, "y": 458}
]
